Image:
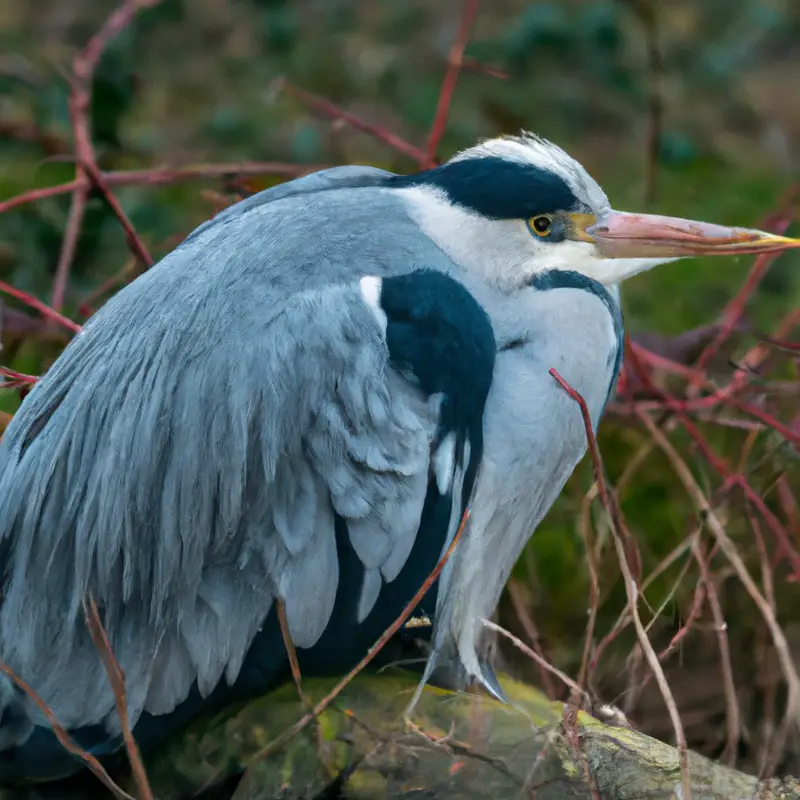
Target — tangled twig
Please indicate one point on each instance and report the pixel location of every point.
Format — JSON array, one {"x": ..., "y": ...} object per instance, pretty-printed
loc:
[{"x": 631, "y": 587}]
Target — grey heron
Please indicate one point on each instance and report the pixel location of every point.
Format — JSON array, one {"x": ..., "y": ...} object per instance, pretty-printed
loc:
[{"x": 297, "y": 404}]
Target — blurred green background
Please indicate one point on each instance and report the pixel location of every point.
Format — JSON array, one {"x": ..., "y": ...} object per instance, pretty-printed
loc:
[{"x": 688, "y": 107}]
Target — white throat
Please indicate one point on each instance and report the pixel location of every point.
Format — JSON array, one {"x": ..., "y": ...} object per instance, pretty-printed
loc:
[{"x": 499, "y": 252}]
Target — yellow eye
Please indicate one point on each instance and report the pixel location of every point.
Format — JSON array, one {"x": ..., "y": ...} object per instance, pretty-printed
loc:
[{"x": 541, "y": 225}]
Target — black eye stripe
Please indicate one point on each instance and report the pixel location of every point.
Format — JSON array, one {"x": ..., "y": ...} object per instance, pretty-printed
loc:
[{"x": 497, "y": 187}]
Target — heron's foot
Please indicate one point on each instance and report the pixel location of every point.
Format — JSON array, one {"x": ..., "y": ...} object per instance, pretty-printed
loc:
[{"x": 488, "y": 679}]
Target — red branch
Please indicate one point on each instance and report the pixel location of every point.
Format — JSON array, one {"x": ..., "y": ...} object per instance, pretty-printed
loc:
[
  {"x": 116, "y": 679},
  {"x": 69, "y": 244},
  {"x": 87, "y": 173},
  {"x": 638, "y": 354},
  {"x": 41, "y": 307},
  {"x": 14, "y": 380},
  {"x": 719, "y": 466},
  {"x": 631, "y": 584},
  {"x": 779, "y": 222},
  {"x": 455, "y": 62},
  {"x": 590, "y": 437},
  {"x": 64, "y": 738},
  {"x": 751, "y": 361},
  {"x": 164, "y": 176},
  {"x": 329, "y": 109},
  {"x": 83, "y": 67}
]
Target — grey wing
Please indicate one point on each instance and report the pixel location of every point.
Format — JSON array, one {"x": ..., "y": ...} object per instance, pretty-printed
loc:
[
  {"x": 344, "y": 177},
  {"x": 186, "y": 486}
]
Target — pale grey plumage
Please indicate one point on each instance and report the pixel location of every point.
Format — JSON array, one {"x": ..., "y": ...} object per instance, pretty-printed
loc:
[
  {"x": 524, "y": 465},
  {"x": 141, "y": 544},
  {"x": 186, "y": 562}
]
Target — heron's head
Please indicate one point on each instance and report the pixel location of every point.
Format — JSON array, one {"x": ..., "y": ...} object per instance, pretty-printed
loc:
[{"x": 516, "y": 206}]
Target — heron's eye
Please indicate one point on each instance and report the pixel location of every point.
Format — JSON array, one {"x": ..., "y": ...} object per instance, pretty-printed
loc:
[{"x": 541, "y": 225}]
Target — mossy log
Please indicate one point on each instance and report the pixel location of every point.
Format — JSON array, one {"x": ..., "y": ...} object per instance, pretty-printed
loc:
[
  {"x": 532, "y": 748},
  {"x": 361, "y": 749}
]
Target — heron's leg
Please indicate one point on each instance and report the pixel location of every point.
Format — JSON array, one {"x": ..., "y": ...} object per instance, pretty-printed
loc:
[
  {"x": 408, "y": 722},
  {"x": 426, "y": 676}
]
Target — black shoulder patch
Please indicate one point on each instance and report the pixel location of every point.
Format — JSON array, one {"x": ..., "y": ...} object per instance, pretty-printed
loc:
[
  {"x": 438, "y": 331},
  {"x": 496, "y": 187}
]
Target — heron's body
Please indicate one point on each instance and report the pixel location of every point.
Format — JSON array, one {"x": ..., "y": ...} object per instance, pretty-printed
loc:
[{"x": 292, "y": 404}]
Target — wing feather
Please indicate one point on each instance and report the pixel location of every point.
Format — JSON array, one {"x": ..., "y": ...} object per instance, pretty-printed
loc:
[
  {"x": 188, "y": 486},
  {"x": 324, "y": 180}
]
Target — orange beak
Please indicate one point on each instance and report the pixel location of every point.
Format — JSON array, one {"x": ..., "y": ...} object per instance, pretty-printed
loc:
[{"x": 619, "y": 234}]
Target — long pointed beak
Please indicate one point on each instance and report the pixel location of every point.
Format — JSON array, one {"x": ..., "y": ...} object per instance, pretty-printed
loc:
[{"x": 619, "y": 234}]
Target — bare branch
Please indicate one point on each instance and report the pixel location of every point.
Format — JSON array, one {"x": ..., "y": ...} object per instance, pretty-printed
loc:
[
  {"x": 455, "y": 64},
  {"x": 64, "y": 738},
  {"x": 324, "y": 106},
  {"x": 631, "y": 587},
  {"x": 732, "y": 554},
  {"x": 116, "y": 677},
  {"x": 42, "y": 308}
]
